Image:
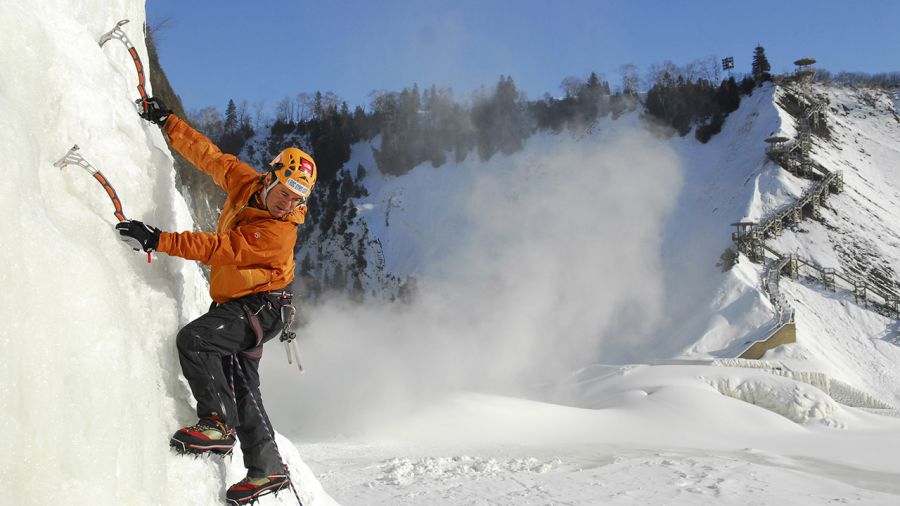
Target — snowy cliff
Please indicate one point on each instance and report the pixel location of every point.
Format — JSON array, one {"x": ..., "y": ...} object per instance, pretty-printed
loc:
[
  {"x": 856, "y": 233},
  {"x": 89, "y": 377}
]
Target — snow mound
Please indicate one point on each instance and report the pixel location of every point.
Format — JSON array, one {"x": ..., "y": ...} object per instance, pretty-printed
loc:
[
  {"x": 403, "y": 471},
  {"x": 797, "y": 402},
  {"x": 842, "y": 392},
  {"x": 750, "y": 364},
  {"x": 837, "y": 390}
]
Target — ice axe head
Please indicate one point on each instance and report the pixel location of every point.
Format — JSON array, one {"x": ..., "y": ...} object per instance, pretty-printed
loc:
[
  {"x": 115, "y": 33},
  {"x": 72, "y": 156}
]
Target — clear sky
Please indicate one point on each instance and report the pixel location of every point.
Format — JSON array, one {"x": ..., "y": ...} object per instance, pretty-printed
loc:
[{"x": 216, "y": 50}]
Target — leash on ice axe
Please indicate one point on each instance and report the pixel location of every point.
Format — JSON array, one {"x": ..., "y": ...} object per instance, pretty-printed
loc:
[
  {"x": 73, "y": 157},
  {"x": 118, "y": 34}
]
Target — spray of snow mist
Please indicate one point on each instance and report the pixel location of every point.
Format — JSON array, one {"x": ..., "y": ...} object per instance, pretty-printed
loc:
[{"x": 557, "y": 266}]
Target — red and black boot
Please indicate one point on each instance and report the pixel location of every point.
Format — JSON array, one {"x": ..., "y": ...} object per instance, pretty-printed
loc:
[
  {"x": 250, "y": 489},
  {"x": 209, "y": 434}
]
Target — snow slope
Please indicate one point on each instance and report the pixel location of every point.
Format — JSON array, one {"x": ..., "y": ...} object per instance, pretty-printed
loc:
[
  {"x": 89, "y": 377},
  {"x": 857, "y": 234},
  {"x": 512, "y": 299}
]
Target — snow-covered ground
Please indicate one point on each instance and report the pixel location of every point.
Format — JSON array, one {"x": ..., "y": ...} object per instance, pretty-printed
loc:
[
  {"x": 89, "y": 377},
  {"x": 559, "y": 350},
  {"x": 592, "y": 474},
  {"x": 666, "y": 435}
]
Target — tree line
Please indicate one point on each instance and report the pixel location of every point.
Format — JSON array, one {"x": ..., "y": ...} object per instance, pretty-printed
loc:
[
  {"x": 884, "y": 80},
  {"x": 415, "y": 125},
  {"x": 432, "y": 125}
]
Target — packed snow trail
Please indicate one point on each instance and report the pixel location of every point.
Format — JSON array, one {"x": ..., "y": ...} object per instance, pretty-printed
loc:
[{"x": 89, "y": 382}]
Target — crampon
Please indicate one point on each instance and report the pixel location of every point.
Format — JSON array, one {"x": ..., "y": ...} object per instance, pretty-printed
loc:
[
  {"x": 249, "y": 490},
  {"x": 208, "y": 435}
]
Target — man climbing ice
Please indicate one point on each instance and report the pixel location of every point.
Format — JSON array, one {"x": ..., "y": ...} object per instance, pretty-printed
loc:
[{"x": 251, "y": 255}]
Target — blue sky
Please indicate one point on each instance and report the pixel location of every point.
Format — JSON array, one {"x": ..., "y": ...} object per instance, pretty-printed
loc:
[{"x": 213, "y": 51}]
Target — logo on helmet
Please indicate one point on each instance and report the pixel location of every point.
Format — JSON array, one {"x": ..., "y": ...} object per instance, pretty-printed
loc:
[
  {"x": 297, "y": 187},
  {"x": 306, "y": 166}
]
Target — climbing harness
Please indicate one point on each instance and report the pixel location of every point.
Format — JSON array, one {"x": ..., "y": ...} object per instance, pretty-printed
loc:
[
  {"x": 118, "y": 34},
  {"x": 283, "y": 302}
]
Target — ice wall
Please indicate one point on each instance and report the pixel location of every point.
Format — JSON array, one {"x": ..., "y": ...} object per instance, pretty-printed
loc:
[{"x": 89, "y": 378}]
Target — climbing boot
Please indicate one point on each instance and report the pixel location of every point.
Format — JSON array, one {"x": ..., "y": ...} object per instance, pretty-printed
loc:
[
  {"x": 209, "y": 434},
  {"x": 250, "y": 489}
]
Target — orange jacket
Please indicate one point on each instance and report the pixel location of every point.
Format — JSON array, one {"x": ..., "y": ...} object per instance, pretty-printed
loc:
[{"x": 251, "y": 251}]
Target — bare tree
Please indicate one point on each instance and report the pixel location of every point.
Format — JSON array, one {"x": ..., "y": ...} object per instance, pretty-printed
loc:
[
  {"x": 711, "y": 69},
  {"x": 243, "y": 114},
  {"x": 330, "y": 101},
  {"x": 692, "y": 71},
  {"x": 304, "y": 105},
  {"x": 258, "y": 108},
  {"x": 823, "y": 75},
  {"x": 572, "y": 85},
  {"x": 654, "y": 74},
  {"x": 160, "y": 25},
  {"x": 284, "y": 110},
  {"x": 209, "y": 121},
  {"x": 630, "y": 79},
  {"x": 663, "y": 73}
]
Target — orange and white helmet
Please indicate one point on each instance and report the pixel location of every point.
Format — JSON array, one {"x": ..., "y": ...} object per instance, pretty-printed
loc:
[{"x": 296, "y": 170}]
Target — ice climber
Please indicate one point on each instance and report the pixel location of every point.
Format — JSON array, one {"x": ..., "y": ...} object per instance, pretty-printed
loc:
[{"x": 251, "y": 255}]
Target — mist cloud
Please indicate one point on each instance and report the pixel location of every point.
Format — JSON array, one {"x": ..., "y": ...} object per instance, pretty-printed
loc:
[{"x": 558, "y": 268}]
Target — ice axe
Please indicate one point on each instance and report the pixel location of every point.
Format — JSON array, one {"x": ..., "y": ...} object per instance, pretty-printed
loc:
[
  {"x": 118, "y": 34},
  {"x": 73, "y": 157}
]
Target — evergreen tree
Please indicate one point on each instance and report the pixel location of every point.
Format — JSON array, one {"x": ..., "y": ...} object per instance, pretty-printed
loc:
[
  {"x": 761, "y": 67},
  {"x": 231, "y": 118},
  {"x": 318, "y": 108},
  {"x": 500, "y": 120},
  {"x": 588, "y": 100}
]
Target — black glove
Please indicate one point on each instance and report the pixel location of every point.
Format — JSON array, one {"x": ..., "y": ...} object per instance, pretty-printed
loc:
[
  {"x": 156, "y": 111},
  {"x": 139, "y": 236}
]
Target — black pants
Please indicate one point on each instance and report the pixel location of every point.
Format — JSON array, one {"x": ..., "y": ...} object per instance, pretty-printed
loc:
[{"x": 206, "y": 348}]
